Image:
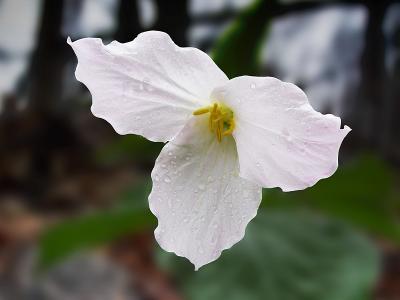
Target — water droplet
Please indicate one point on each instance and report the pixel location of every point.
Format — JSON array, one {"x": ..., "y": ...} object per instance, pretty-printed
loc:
[
  {"x": 187, "y": 158},
  {"x": 210, "y": 179},
  {"x": 146, "y": 85},
  {"x": 202, "y": 187},
  {"x": 156, "y": 177},
  {"x": 287, "y": 135},
  {"x": 167, "y": 179},
  {"x": 185, "y": 220},
  {"x": 253, "y": 85},
  {"x": 285, "y": 132},
  {"x": 169, "y": 153},
  {"x": 163, "y": 166}
]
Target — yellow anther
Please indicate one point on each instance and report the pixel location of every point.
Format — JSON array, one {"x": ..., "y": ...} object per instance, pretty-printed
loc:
[
  {"x": 220, "y": 122},
  {"x": 201, "y": 111}
]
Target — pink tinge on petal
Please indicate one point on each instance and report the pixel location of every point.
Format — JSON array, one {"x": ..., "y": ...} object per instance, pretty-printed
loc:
[
  {"x": 149, "y": 86},
  {"x": 201, "y": 204},
  {"x": 281, "y": 140}
]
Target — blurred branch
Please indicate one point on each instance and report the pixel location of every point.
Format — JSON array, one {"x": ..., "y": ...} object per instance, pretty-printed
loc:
[{"x": 276, "y": 9}]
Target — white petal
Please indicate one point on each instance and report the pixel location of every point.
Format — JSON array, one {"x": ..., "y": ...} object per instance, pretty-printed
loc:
[
  {"x": 149, "y": 86},
  {"x": 281, "y": 140},
  {"x": 202, "y": 205}
]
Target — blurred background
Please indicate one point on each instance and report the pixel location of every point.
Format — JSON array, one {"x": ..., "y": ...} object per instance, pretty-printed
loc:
[{"x": 74, "y": 219}]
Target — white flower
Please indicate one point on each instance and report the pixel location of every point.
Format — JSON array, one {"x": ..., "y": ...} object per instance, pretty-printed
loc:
[{"x": 227, "y": 138}]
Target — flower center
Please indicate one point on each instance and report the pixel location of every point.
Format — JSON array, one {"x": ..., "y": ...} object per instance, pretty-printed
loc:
[{"x": 220, "y": 122}]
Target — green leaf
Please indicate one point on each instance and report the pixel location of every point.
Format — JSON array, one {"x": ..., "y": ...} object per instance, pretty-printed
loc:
[
  {"x": 286, "y": 256},
  {"x": 128, "y": 148},
  {"x": 67, "y": 237},
  {"x": 360, "y": 192},
  {"x": 237, "y": 52}
]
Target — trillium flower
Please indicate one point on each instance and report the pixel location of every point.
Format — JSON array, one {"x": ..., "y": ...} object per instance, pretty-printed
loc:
[{"x": 226, "y": 138}]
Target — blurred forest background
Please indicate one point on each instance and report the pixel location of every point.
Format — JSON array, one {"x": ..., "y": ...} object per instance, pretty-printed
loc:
[{"x": 74, "y": 220}]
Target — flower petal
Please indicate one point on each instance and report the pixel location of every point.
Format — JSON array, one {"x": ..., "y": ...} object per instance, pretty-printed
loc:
[
  {"x": 149, "y": 86},
  {"x": 281, "y": 140},
  {"x": 202, "y": 205}
]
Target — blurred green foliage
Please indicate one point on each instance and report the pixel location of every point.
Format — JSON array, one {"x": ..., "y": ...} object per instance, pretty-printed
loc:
[
  {"x": 287, "y": 256},
  {"x": 238, "y": 50},
  {"x": 363, "y": 193},
  {"x": 65, "y": 238},
  {"x": 359, "y": 193},
  {"x": 128, "y": 148}
]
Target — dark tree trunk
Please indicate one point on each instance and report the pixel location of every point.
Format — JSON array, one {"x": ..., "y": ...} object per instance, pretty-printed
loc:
[
  {"x": 42, "y": 135},
  {"x": 45, "y": 75},
  {"x": 128, "y": 21},
  {"x": 367, "y": 112},
  {"x": 391, "y": 144},
  {"x": 173, "y": 18}
]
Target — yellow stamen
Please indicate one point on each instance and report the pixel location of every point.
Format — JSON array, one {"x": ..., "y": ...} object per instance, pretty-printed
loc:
[
  {"x": 201, "y": 111},
  {"x": 220, "y": 122}
]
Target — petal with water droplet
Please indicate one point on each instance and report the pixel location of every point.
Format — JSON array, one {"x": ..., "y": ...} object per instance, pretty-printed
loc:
[
  {"x": 214, "y": 208},
  {"x": 281, "y": 140},
  {"x": 148, "y": 86}
]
